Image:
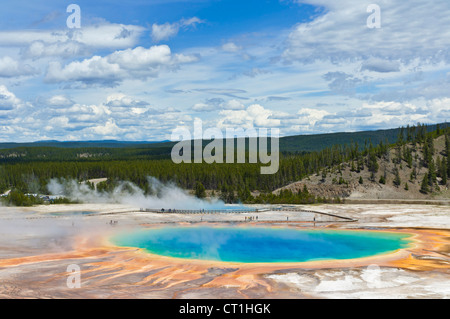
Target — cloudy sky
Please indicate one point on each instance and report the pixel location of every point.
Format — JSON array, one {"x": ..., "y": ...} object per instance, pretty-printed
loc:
[{"x": 136, "y": 70}]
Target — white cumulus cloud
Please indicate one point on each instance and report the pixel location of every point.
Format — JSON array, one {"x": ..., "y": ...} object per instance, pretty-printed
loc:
[
  {"x": 13, "y": 68},
  {"x": 110, "y": 70},
  {"x": 167, "y": 30},
  {"x": 409, "y": 30}
]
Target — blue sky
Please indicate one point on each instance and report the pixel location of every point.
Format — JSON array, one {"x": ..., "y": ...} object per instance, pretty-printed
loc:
[
  {"x": 137, "y": 70},
  {"x": 222, "y": 17}
]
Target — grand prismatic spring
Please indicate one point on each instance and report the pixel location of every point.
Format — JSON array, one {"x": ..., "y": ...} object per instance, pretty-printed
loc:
[
  {"x": 262, "y": 245},
  {"x": 122, "y": 252}
]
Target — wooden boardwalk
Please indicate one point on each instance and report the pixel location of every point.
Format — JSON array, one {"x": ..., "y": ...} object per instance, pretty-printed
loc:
[
  {"x": 184, "y": 211},
  {"x": 202, "y": 211},
  {"x": 245, "y": 211}
]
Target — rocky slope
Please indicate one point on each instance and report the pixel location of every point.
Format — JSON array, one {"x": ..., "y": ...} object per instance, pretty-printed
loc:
[{"x": 345, "y": 182}]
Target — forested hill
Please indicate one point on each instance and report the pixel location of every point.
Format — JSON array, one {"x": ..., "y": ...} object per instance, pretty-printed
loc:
[
  {"x": 417, "y": 162},
  {"x": 318, "y": 142},
  {"x": 88, "y": 144},
  {"x": 122, "y": 150}
]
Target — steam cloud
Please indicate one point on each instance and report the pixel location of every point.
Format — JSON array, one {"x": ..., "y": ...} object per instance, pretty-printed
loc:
[{"x": 167, "y": 196}]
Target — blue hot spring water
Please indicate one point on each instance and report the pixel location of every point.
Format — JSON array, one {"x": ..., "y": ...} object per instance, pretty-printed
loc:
[{"x": 262, "y": 245}]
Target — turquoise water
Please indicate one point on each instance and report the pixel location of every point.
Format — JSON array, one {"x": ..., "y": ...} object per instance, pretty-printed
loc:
[{"x": 265, "y": 245}]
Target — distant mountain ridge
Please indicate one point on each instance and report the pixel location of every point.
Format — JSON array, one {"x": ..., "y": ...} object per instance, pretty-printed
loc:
[
  {"x": 293, "y": 144},
  {"x": 80, "y": 144}
]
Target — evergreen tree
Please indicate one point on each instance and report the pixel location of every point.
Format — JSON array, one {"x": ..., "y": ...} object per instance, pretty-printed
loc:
[
  {"x": 438, "y": 166},
  {"x": 431, "y": 173},
  {"x": 305, "y": 191},
  {"x": 400, "y": 136},
  {"x": 324, "y": 176},
  {"x": 412, "y": 176},
  {"x": 443, "y": 171},
  {"x": 425, "y": 188},
  {"x": 448, "y": 166},
  {"x": 447, "y": 145},
  {"x": 408, "y": 133},
  {"x": 360, "y": 164},
  {"x": 372, "y": 163},
  {"x": 200, "y": 191},
  {"x": 408, "y": 157},
  {"x": 430, "y": 143}
]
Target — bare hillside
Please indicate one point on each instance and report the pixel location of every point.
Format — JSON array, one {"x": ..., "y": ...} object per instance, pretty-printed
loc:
[{"x": 345, "y": 181}]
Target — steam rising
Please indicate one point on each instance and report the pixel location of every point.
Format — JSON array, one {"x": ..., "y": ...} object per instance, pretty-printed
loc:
[
  {"x": 167, "y": 196},
  {"x": 24, "y": 229}
]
